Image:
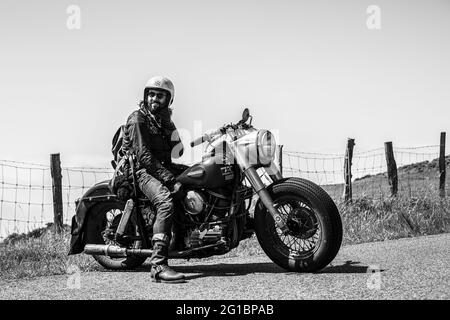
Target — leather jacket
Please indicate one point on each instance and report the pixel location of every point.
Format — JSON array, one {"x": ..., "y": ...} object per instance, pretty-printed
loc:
[{"x": 151, "y": 139}]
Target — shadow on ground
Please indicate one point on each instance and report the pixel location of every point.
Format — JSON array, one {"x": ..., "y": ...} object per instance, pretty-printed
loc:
[
  {"x": 240, "y": 269},
  {"x": 348, "y": 267}
]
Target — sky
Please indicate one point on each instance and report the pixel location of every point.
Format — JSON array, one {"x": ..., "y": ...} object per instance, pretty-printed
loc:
[{"x": 311, "y": 70}]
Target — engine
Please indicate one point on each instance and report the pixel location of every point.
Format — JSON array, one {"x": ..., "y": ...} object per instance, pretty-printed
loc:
[
  {"x": 207, "y": 206},
  {"x": 202, "y": 206},
  {"x": 194, "y": 203},
  {"x": 196, "y": 238}
]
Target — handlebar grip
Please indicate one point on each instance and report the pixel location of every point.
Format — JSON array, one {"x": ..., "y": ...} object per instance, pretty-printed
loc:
[{"x": 198, "y": 141}]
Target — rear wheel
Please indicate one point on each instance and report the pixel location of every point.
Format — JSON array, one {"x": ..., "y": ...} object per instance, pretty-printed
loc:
[
  {"x": 313, "y": 232},
  {"x": 103, "y": 218}
]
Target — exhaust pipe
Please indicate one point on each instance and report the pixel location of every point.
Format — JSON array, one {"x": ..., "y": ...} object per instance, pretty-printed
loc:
[
  {"x": 119, "y": 252},
  {"x": 115, "y": 251}
]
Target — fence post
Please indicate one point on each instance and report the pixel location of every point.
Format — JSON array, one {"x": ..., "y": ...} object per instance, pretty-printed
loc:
[
  {"x": 391, "y": 168},
  {"x": 442, "y": 166},
  {"x": 55, "y": 170},
  {"x": 348, "y": 170},
  {"x": 280, "y": 158}
]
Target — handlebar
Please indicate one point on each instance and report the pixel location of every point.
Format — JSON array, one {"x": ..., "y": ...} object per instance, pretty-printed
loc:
[
  {"x": 207, "y": 136},
  {"x": 199, "y": 140}
]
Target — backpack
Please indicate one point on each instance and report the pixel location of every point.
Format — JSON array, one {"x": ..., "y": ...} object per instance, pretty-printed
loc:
[
  {"x": 120, "y": 184},
  {"x": 116, "y": 149}
]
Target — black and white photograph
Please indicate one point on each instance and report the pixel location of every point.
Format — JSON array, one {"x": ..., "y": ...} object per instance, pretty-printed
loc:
[{"x": 220, "y": 157}]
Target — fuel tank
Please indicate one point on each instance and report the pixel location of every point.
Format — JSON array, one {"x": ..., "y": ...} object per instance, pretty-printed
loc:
[{"x": 212, "y": 172}]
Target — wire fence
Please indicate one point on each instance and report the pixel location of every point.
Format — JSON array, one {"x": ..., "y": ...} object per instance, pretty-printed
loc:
[
  {"x": 26, "y": 200},
  {"x": 26, "y": 188},
  {"x": 418, "y": 171}
]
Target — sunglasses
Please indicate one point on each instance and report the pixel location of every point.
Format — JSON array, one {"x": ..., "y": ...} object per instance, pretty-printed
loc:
[{"x": 158, "y": 95}]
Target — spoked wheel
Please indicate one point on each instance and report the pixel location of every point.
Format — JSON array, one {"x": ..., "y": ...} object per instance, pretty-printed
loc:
[
  {"x": 303, "y": 234},
  {"x": 312, "y": 234},
  {"x": 102, "y": 221}
]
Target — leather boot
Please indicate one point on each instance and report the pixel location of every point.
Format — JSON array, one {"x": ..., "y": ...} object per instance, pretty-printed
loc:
[{"x": 161, "y": 272}]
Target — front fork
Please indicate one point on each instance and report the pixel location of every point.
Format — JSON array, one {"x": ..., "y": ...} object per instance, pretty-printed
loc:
[{"x": 260, "y": 188}]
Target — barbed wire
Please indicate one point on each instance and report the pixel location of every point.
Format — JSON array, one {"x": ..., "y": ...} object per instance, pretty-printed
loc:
[
  {"x": 415, "y": 148},
  {"x": 22, "y": 164}
]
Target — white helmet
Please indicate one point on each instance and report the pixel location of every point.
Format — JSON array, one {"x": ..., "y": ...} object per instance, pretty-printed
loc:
[{"x": 161, "y": 83}]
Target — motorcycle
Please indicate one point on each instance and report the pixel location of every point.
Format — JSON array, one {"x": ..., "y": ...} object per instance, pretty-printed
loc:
[{"x": 234, "y": 192}]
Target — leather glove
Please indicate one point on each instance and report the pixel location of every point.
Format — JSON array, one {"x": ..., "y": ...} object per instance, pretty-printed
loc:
[
  {"x": 124, "y": 192},
  {"x": 177, "y": 191}
]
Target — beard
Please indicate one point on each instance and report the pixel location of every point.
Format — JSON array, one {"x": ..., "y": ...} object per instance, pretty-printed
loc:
[{"x": 155, "y": 107}]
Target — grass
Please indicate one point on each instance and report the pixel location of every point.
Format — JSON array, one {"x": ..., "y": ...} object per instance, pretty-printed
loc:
[
  {"x": 366, "y": 219},
  {"x": 39, "y": 253}
]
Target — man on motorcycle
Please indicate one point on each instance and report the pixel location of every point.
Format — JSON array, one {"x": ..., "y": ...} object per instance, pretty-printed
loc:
[{"x": 151, "y": 136}]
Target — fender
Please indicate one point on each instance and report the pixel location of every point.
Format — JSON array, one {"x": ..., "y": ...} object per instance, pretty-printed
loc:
[{"x": 98, "y": 192}]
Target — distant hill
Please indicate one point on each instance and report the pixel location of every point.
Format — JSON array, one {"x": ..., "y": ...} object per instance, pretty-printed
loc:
[
  {"x": 413, "y": 179},
  {"x": 423, "y": 168}
]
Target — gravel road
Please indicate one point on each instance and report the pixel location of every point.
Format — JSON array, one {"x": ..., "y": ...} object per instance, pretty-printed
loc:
[{"x": 413, "y": 268}]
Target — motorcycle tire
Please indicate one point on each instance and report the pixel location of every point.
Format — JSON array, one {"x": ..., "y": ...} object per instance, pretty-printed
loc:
[
  {"x": 312, "y": 212},
  {"x": 95, "y": 224}
]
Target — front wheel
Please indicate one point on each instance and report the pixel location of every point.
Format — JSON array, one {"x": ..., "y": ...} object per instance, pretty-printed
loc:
[{"x": 313, "y": 232}]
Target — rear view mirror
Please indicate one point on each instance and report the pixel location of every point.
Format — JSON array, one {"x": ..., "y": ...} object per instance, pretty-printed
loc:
[{"x": 245, "y": 115}]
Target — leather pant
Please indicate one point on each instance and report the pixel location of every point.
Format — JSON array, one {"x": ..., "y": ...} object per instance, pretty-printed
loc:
[{"x": 162, "y": 200}]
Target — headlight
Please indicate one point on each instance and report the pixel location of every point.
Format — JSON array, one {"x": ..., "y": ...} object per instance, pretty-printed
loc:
[{"x": 266, "y": 147}]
